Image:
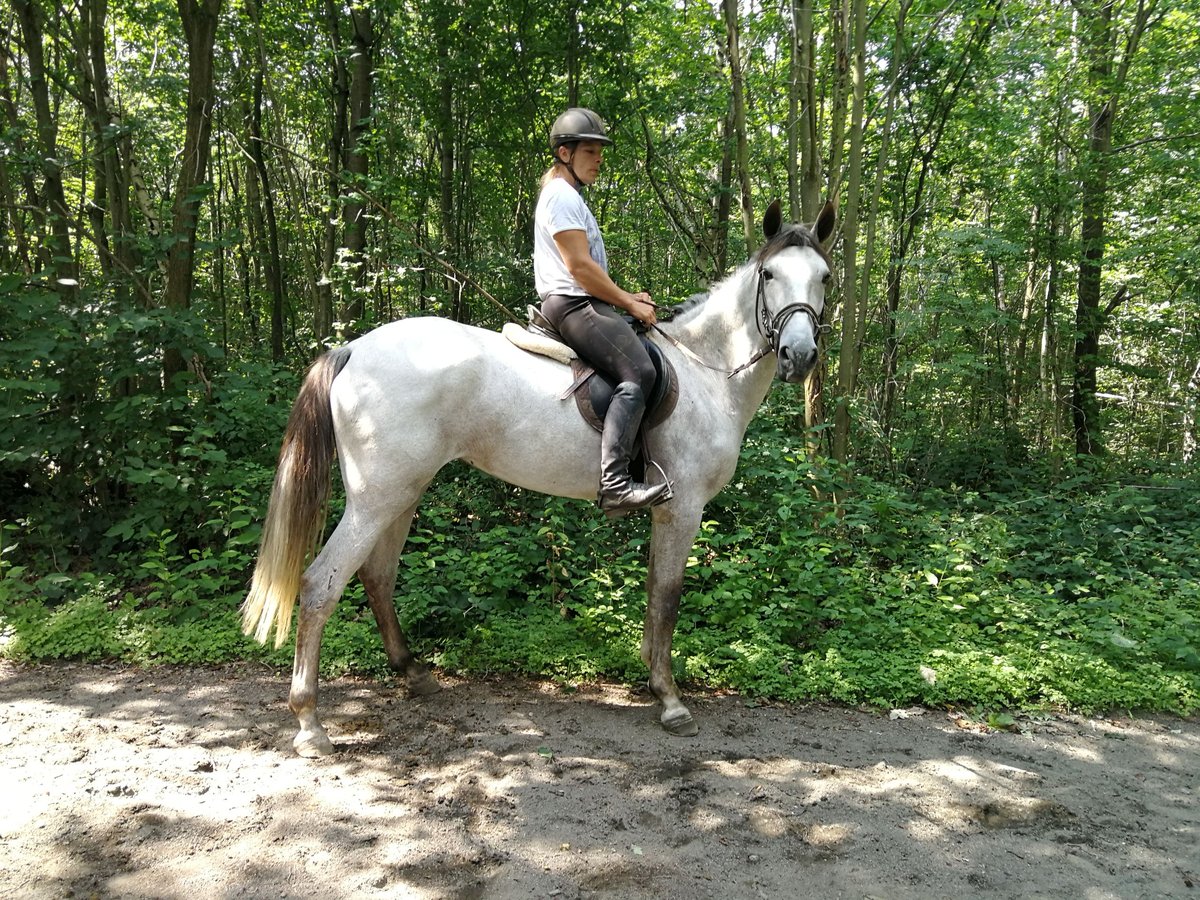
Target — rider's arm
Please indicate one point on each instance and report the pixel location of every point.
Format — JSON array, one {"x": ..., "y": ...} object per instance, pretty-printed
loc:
[{"x": 573, "y": 247}]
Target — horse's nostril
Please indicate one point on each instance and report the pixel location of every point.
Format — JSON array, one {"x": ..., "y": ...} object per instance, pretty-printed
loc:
[{"x": 784, "y": 353}]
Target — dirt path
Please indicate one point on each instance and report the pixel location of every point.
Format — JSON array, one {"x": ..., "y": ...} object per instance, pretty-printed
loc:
[{"x": 181, "y": 783}]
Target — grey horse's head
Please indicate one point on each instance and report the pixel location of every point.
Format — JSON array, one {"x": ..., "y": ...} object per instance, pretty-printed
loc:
[{"x": 792, "y": 270}]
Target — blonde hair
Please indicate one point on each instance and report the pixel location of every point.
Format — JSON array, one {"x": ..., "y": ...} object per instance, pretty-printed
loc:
[
  {"x": 549, "y": 175},
  {"x": 556, "y": 170}
]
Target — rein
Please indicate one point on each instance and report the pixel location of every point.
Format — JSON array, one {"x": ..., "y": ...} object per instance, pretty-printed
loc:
[{"x": 770, "y": 327}]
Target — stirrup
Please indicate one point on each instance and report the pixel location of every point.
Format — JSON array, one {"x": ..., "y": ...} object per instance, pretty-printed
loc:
[{"x": 670, "y": 492}]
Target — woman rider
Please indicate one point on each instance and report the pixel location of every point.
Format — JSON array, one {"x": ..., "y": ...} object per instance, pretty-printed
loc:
[{"x": 585, "y": 305}]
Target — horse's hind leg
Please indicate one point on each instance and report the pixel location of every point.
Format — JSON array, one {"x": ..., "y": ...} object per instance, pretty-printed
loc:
[
  {"x": 378, "y": 575},
  {"x": 320, "y": 589}
]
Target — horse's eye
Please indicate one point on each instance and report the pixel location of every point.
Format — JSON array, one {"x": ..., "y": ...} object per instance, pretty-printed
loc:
[
  {"x": 828, "y": 276},
  {"x": 767, "y": 274}
]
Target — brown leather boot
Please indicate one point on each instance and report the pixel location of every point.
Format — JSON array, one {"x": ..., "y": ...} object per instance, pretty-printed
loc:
[{"x": 618, "y": 492}]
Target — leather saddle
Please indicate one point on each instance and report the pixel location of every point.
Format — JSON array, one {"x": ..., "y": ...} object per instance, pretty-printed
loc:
[{"x": 593, "y": 390}]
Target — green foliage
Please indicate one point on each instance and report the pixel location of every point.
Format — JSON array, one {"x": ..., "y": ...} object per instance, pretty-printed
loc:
[{"x": 1081, "y": 594}]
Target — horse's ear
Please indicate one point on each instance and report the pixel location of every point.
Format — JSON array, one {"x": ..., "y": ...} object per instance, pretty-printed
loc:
[
  {"x": 772, "y": 220},
  {"x": 826, "y": 220}
]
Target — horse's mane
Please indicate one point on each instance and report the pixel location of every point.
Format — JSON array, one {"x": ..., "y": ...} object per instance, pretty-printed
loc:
[{"x": 787, "y": 236}]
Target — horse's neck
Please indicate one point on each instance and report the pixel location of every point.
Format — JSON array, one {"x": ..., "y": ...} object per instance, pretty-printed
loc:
[
  {"x": 722, "y": 332},
  {"x": 722, "y": 326}
]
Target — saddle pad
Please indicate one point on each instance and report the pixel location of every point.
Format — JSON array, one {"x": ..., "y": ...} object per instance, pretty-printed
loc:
[
  {"x": 537, "y": 343},
  {"x": 592, "y": 390}
]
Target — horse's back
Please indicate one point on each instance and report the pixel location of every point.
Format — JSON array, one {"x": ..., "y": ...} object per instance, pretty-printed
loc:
[
  {"x": 412, "y": 360},
  {"x": 420, "y": 392}
]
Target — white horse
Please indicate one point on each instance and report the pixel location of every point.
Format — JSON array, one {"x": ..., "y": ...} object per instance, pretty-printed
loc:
[{"x": 402, "y": 401}]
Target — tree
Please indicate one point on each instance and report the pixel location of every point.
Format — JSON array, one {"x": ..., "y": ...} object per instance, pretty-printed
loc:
[
  {"x": 199, "y": 19},
  {"x": 737, "y": 83},
  {"x": 1108, "y": 71},
  {"x": 56, "y": 253}
]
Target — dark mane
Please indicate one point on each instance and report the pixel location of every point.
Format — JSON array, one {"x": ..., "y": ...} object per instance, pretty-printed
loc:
[{"x": 792, "y": 236}]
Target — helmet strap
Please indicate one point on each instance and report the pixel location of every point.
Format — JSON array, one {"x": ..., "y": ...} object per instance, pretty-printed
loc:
[{"x": 569, "y": 164}]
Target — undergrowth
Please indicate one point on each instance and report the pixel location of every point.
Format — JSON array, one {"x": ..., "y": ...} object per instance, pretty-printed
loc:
[{"x": 1033, "y": 592}]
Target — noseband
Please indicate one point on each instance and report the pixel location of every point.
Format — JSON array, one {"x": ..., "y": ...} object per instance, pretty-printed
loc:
[{"x": 771, "y": 327}]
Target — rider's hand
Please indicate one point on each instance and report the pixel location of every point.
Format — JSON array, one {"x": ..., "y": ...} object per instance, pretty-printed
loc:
[{"x": 642, "y": 308}]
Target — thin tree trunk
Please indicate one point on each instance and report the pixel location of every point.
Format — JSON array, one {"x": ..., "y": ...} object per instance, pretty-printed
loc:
[
  {"x": 572, "y": 55},
  {"x": 737, "y": 84},
  {"x": 839, "y": 24},
  {"x": 339, "y": 91},
  {"x": 26, "y": 250},
  {"x": 273, "y": 267},
  {"x": 807, "y": 134},
  {"x": 1191, "y": 416},
  {"x": 357, "y": 158},
  {"x": 199, "y": 18},
  {"x": 56, "y": 249},
  {"x": 724, "y": 196},
  {"x": 850, "y": 224}
]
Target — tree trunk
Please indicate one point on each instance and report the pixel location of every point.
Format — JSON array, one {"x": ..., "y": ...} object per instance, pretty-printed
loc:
[
  {"x": 1191, "y": 417},
  {"x": 24, "y": 251},
  {"x": 850, "y": 223},
  {"x": 839, "y": 24},
  {"x": 1106, "y": 80},
  {"x": 806, "y": 197},
  {"x": 737, "y": 84},
  {"x": 56, "y": 249},
  {"x": 572, "y": 55},
  {"x": 354, "y": 221},
  {"x": 199, "y": 18},
  {"x": 339, "y": 92},
  {"x": 1085, "y": 410},
  {"x": 724, "y": 196},
  {"x": 113, "y": 151},
  {"x": 272, "y": 265}
]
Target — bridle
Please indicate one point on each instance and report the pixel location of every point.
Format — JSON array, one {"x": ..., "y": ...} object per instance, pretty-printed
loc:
[{"x": 770, "y": 327}]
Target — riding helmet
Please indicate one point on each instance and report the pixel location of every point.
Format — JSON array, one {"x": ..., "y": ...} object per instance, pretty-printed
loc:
[{"x": 578, "y": 124}]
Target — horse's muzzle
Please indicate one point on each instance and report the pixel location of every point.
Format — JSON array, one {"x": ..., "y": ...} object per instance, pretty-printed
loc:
[{"x": 794, "y": 363}]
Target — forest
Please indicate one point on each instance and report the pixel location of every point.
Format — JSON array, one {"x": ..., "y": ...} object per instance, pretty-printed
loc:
[{"x": 984, "y": 496}]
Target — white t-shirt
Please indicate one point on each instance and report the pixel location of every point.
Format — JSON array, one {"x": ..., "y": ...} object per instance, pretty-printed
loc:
[{"x": 562, "y": 208}]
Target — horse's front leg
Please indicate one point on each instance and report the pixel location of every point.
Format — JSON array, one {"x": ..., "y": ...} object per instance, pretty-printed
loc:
[{"x": 673, "y": 533}]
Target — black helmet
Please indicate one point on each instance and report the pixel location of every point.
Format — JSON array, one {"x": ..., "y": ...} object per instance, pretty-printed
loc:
[{"x": 578, "y": 124}]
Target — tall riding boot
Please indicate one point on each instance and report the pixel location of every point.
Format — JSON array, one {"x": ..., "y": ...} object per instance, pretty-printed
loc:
[{"x": 618, "y": 492}]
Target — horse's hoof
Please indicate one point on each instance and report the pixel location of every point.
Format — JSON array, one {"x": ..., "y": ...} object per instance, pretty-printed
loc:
[
  {"x": 312, "y": 744},
  {"x": 423, "y": 685},
  {"x": 682, "y": 725}
]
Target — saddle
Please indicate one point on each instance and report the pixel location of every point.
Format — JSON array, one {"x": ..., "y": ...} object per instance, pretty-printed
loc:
[{"x": 591, "y": 389}]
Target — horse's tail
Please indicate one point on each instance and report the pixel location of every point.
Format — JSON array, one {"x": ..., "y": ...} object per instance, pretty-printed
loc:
[{"x": 297, "y": 509}]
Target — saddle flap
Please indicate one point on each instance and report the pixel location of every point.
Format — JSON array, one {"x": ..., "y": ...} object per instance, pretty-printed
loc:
[{"x": 595, "y": 393}]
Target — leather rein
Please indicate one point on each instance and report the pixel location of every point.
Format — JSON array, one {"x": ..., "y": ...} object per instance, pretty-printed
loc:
[{"x": 770, "y": 327}]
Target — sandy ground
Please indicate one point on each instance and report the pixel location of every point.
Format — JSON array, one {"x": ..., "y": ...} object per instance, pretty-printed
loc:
[{"x": 181, "y": 783}]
